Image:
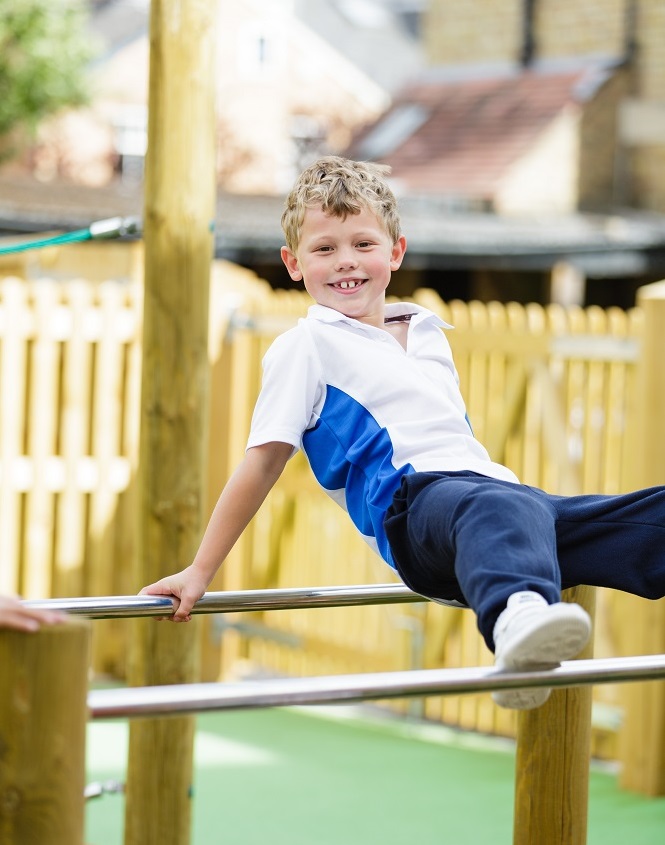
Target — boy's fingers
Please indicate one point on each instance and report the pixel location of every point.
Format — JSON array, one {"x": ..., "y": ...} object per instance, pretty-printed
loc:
[
  {"x": 14, "y": 614},
  {"x": 182, "y": 609},
  {"x": 177, "y": 590},
  {"x": 159, "y": 589},
  {"x": 52, "y": 617},
  {"x": 155, "y": 590},
  {"x": 21, "y": 622}
]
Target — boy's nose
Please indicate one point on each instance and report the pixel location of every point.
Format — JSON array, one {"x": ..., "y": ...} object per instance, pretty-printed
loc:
[{"x": 345, "y": 261}]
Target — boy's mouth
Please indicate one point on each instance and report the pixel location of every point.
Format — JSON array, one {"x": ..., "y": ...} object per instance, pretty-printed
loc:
[{"x": 348, "y": 284}]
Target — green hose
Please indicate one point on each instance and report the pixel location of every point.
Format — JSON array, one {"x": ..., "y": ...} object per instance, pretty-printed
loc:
[{"x": 114, "y": 227}]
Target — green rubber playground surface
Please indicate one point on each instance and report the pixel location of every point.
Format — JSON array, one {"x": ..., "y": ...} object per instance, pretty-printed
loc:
[{"x": 306, "y": 777}]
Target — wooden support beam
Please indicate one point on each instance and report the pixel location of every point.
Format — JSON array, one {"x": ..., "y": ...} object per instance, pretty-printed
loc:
[
  {"x": 43, "y": 710},
  {"x": 179, "y": 207},
  {"x": 552, "y": 763},
  {"x": 642, "y": 742}
]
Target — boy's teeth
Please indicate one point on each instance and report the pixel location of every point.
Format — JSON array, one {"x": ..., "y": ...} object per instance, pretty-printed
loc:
[{"x": 348, "y": 284}]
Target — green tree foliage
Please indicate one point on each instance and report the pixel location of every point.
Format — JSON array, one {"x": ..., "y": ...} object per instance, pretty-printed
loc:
[{"x": 44, "y": 52}]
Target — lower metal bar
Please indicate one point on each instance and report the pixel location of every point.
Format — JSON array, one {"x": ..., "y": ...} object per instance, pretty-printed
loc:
[
  {"x": 114, "y": 607},
  {"x": 196, "y": 698}
]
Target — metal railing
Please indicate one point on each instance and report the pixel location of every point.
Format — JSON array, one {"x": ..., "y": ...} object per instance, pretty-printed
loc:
[
  {"x": 178, "y": 699},
  {"x": 195, "y": 698},
  {"x": 114, "y": 607}
]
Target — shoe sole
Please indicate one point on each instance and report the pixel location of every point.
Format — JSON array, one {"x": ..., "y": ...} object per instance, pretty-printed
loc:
[{"x": 521, "y": 699}]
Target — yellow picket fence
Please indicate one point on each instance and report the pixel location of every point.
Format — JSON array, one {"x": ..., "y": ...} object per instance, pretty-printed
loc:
[{"x": 554, "y": 393}]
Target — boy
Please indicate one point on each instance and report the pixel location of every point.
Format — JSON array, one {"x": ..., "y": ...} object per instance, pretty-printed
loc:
[{"x": 370, "y": 392}]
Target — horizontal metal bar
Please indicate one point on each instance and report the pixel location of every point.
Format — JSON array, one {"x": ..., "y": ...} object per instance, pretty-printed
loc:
[
  {"x": 591, "y": 347},
  {"x": 114, "y": 607},
  {"x": 197, "y": 698}
]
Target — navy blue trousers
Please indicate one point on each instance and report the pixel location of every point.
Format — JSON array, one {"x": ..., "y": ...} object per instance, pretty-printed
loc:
[{"x": 475, "y": 539}]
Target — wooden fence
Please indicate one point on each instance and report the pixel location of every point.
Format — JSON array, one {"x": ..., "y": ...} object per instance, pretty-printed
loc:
[{"x": 556, "y": 394}]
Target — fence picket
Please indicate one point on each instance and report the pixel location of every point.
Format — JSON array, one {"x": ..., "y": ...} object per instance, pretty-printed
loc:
[
  {"x": 41, "y": 427},
  {"x": 15, "y": 320},
  {"x": 72, "y": 507}
]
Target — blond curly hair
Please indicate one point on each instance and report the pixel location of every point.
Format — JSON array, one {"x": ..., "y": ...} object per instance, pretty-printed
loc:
[{"x": 340, "y": 186}]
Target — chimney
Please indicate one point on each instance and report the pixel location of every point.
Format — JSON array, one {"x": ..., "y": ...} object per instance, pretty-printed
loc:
[{"x": 528, "y": 51}]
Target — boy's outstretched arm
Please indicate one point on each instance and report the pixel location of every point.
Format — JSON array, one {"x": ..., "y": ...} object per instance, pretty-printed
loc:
[{"x": 240, "y": 499}]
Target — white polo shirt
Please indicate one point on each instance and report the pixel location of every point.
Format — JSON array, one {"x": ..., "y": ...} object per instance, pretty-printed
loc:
[{"x": 365, "y": 411}]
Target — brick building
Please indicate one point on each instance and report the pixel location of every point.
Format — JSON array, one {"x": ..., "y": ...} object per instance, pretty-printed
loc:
[{"x": 622, "y": 128}]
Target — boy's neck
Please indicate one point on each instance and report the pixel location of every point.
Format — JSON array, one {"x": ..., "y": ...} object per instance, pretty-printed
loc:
[{"x": 376, "y": 318}]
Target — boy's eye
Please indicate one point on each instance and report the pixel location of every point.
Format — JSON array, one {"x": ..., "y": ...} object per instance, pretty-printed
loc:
[{"x": 364, "y": 244}]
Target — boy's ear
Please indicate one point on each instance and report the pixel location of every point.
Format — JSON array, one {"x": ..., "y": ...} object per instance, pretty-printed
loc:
[
  {"x": 397, "y": 254},
  {"x": 291, "y": 264}
]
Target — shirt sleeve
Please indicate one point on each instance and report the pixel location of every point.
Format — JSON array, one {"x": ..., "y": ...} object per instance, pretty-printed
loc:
[{"x": 291, "y": 387}]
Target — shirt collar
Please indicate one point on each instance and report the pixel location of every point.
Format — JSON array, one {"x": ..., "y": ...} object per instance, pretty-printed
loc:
[{"x": 393, "y": 309}]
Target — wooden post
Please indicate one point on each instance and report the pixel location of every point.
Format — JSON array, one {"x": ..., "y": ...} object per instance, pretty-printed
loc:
[
  {"x": 552, "y": 765},
  {"x": 179, "y": 209},
  {"x": 43, "y": 714},
  {"x": 642, "y": 745}
]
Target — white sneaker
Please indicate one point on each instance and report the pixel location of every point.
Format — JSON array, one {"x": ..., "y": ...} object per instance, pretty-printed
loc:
[{"x": 533, "y": 635}]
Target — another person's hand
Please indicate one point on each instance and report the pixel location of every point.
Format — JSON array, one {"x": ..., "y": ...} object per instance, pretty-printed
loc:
[
  {"x": 185, "y": 588},
  {"x": 14, "y": 614}
]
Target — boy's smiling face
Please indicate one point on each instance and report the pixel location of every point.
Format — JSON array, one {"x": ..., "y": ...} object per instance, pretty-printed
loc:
[{"x": 345, "y": 264}]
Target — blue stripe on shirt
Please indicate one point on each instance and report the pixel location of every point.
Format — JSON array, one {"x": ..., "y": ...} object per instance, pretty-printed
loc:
[{"x": 348, "y": 450}]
